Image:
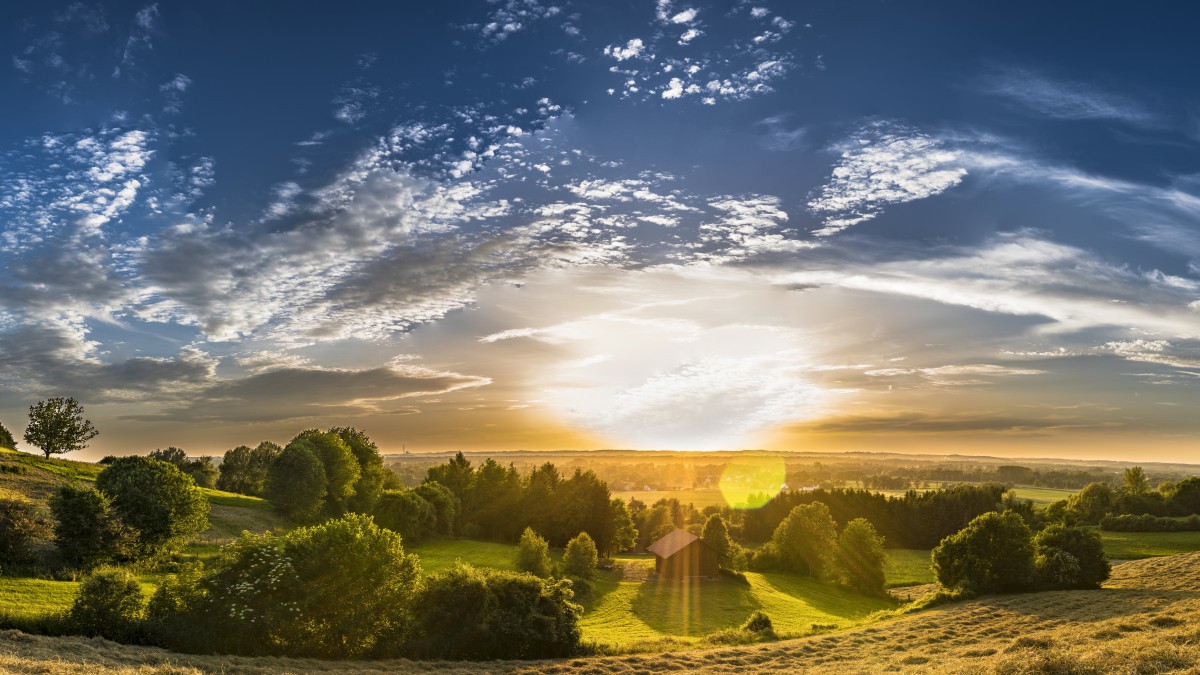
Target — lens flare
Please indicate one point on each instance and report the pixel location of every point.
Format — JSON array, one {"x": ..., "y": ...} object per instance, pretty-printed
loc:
[{"x": 750, "y": 482}]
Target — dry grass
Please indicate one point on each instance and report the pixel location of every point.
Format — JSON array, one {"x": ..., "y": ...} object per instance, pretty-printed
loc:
[{"x": 1141, "y": 622}]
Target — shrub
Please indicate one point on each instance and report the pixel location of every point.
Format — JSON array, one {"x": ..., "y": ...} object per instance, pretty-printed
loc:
[
  {"x": 336, "y": 590},
  {"x": 6, "y": 438},
  {"x": 861, "y": 557},
  {"x": 86, "y": 531},
  {"x": 21, "y": 524},
  {"x": 579, "y": 560},
  {"x": 479, "y": 614},
  {"x": 1149, "y": 523},
  {"x": 1091, "y": 566},
  {"x": 992, "y": 554},
  {"x": 533, "y": 554},
  {"x": 156, "y": 499},
  {"x": 759, "y": 622},
  {"x": 406, "y": 513},
  {"x": 371, "y": 472},
  {"x": 110, "y": 604}
]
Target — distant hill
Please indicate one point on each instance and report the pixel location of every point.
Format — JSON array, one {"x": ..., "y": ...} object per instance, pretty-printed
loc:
[{"x": 1142, "y": 621}]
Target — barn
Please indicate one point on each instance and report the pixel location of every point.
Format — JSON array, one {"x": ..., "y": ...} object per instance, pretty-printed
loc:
[{"x": 682, "y": 555}]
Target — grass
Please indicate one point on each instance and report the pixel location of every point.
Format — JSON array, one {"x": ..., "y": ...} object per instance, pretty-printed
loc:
[
  {"x": 1138, "y": 545},
  {"x": 1041, "y": 495},
  {"x": 441, "y": 554},
  {"x": 697, "y": 498},
  {"x": 907, "y": 567}
]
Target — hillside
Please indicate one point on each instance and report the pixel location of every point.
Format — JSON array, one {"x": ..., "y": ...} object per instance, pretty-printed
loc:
[{"x": 1140, "y": 622}]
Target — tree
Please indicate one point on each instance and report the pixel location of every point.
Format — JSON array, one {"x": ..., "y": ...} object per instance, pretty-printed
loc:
[
  {"x": 158, "y": 500},
  {"x": 716, "y": 535},
  {"x": 6, "y": 439},
  {"x": 445, "y": 505},
  {"x": 992, "y": 554},
  {"x": 480, "y": 614},
  {"x": 337, "y": 460},
  {"x": 806, "y": 540},
  {"x": 1185, "y": 497},
  {"x": 533, "y": 554},
  {"x": 57, "y": 426},
  {"x": 624, "y": 534},
  {"x": 372, "y": 472},
  {"x": 1134, "y": 481},
  {"x": 86, "y": 530},
  {"x": 1084, "y": 548},
  {"x": 172, "y": 455},
  {"x": 1091, "y": 503},
  {"x": 244, "y": 469},
  {"x": 457, "y": 475},
  {"x": 202, "y": 470},
  {"x": 406, "y": 513},
  {"x": 579, "y": 560},
  {"x": 861, "y": 557},
  {"x": 20, "y": 525},
  {"x": 296, "y": 484}
]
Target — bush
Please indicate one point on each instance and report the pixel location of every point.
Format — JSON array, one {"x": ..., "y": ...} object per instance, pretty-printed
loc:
[
  {"x": 1149, "y": 523},
  {"x": 992, "y": 554},
  {"x": 336, "y": 590},
  {"x": 86, "y": 531},
  {"x": 533, "y": 554},
  {"x": 157, "y": 500},
  {"x": 21, "y": 524},
  {"x": 579, "y": 560},
  {"x": 480, "y": 614},
  {"x": 110, "y": 604},
  {"x": 1083, "y": 546},
  {"x": 759, "y": 622},
  {"x": 406, "y": 513}
]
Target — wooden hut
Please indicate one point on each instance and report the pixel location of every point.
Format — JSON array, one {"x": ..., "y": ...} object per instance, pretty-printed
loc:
[{"x": 682, "y": 555}]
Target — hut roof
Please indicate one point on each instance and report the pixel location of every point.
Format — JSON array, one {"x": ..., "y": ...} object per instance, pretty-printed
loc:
[{"x": 672, "y": 543}]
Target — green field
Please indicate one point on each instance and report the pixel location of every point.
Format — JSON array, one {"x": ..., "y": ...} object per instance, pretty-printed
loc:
[
  {"x": 1040, "y": 495},
  {"x": 697, "y": 498},
  {"x": 442, "y": 554},
  {"x": 907, "y": 567},
  {"x": 1137, "y": 545}
]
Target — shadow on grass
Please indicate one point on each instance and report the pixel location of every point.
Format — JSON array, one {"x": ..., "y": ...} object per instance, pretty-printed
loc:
[
  {"x": 826, "y": 598},
  {"x": 694, "y": 608}
]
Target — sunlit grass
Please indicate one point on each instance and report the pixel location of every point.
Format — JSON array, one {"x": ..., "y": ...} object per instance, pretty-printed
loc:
[
  {"x": 1041, "y": 495},
  {"x": 907, "y": 567},
  {"x": 1138, "y": 545}
]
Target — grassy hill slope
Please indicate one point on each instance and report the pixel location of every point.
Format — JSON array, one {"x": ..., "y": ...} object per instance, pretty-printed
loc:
[{"x": 1141, "y": 622}]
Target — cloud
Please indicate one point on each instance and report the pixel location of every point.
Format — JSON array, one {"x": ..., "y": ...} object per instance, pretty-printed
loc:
[
  {"x": 1063, "y": 99},
  {"x": 922, "y": 422},
  {"x": 632, "y": 49},
  {"x": 298, "y": 393},
  {"x": 513, "y": 16},
  {"x": 881, "y": 164}
]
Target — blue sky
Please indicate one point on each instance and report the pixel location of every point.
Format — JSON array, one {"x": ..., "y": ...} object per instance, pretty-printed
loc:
[{"x": 528, "y": 224}]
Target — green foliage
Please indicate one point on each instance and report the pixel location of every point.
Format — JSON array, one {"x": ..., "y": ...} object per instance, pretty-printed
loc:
[
  {"x": 533, "y": 554},
  {"x": 759, "y": 622},
  {"x": 86, "y": 531},
  {"x": 1184, "y": 497},
  {"x": 1149, "y": 523},
  {"x": 806, "y": 540},
  {"x": 244, "y": 469},
  {"x": 456, "y": 474},
  {"x": 1134, "y": 481},
  {"x": 171, "y": 455},
  {"x": 478, "y": 614},
  {"x": 1056, "y": 543},
  {"x": 110, "y": 604},
  {"x": 406, "y": 513},
  {"x": 158, "y": 500},
  {"x": 992, "y": 554},
  {"x": 21, "y": 524},
  {"x": 445, "y": 505},
  {"x": 336, "y": 590},
  {"x": 202, "y": 470},
  {"x": 296, "y": 484},
  {"x": 624, "y": 532},
  {"x": 1091, "y": 503},
  {"x": 338, "y": 463},
  {"x": 57, "y": 426},
  {"x": 716, "y": 535},
  {"x": 6, "y": 438},
  {"x": 372, "y": 472},
  {"x": 579, "y": 560},
  {"x": 861, "y": 557}
]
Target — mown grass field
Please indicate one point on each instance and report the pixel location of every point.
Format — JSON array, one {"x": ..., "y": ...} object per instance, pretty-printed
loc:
[{"x": 907, "y": 567}]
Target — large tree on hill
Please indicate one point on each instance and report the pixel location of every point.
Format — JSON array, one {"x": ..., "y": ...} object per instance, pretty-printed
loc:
[
  {"x": 296, "y": 483},
  {"x": 372, "y": 473},
  {"x": 158, "y": 500},
  {"x": 244, "y": 469},
  {"x": 341, "y": 468},
  {"x": 57, "y": 426}
]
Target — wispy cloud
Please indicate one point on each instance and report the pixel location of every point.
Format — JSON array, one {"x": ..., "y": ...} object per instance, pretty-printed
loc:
[{"x": 1064, "y": 99}]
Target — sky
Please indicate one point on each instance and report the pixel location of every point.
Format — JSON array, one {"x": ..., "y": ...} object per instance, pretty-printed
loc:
[{"x": 961, "y": 228}]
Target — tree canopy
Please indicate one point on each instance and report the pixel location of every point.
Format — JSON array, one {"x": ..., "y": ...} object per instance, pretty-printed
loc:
[{"x": 57, "y": 426}]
